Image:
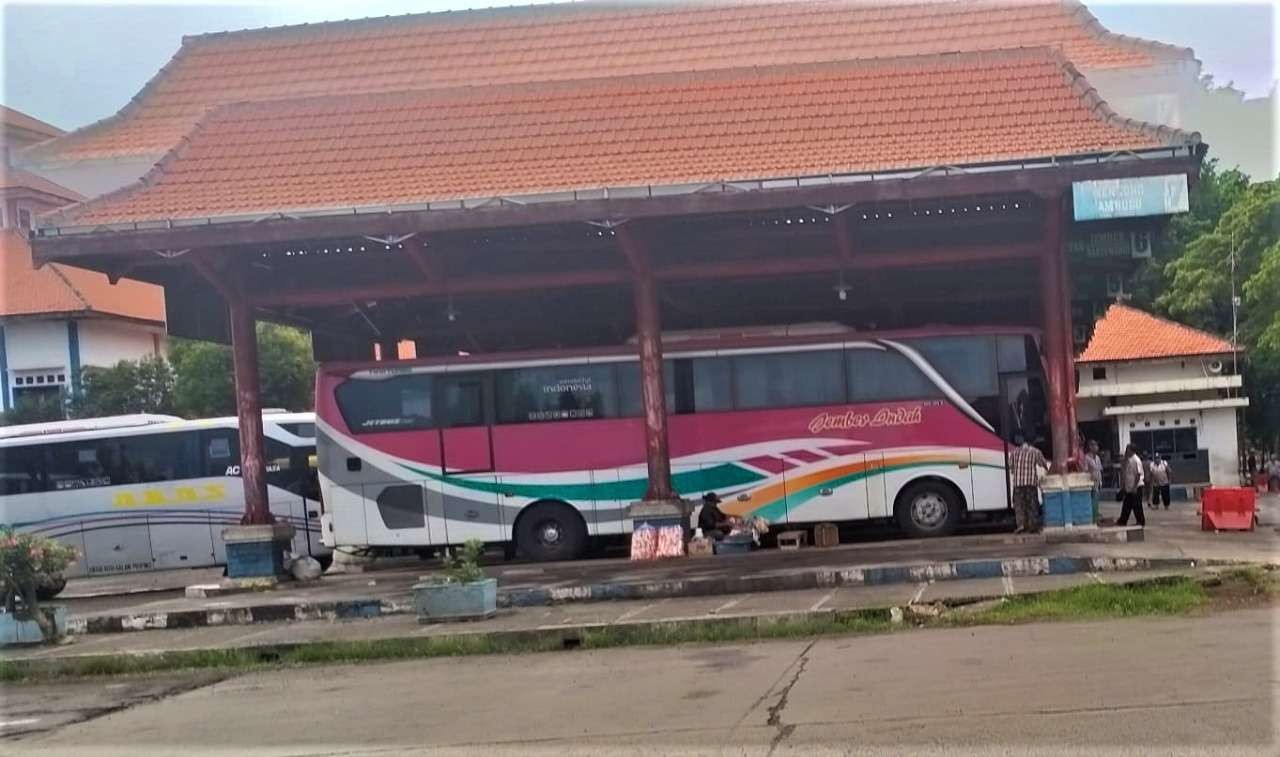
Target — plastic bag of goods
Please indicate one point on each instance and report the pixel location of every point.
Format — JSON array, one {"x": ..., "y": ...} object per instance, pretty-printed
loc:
[
  {"x": 671, "y": 541},
  {"x": 305, "y": 568},
  {"x": 644, "y": 543}
]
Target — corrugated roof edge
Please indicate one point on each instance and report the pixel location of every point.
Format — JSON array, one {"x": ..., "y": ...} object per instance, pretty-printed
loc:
[{"x": 62, "y": 220}]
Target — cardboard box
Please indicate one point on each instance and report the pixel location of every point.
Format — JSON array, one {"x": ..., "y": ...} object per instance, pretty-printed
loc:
[{"x": 700, "y": 547}]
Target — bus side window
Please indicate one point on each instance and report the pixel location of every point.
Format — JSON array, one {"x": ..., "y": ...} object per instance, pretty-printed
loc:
[
  {"x": 552, "y": 393},
  {"x": 22, "y": 470},
  {"x": 158, "y": 457},
  {"x": 81, "y": 465},
  {"x": 630, "y": 401},
  {"x": 789, "y": 379},
  {"x": 967, "y": 362},
  {"x": 282, "y": 468},
  {"x": 399, "y": 403},
  {"x": 884, "y": 376},
  {"x": 221, "y": 451}
]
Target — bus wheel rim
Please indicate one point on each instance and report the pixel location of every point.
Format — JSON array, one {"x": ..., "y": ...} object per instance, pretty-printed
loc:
[
  {"x": 549, "y": 532},
  {"x": 929, "y": 510}
]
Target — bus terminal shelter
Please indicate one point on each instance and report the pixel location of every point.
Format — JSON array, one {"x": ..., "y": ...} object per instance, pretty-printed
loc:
[{"x": 935, "y": 189}]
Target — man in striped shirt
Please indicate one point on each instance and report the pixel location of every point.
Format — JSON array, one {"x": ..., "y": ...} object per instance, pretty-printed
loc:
[{"x": 1025, "y": 465}]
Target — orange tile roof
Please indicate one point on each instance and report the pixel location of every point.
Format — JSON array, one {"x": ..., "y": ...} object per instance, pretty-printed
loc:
[
  {"x": 572, "y": 41},
  {"x": 12, "y": 179},
  {"x": 57, "y": 289},
  {"x": 17, "y": 121},
  {"x": 330, "y": 153},
  {"x": 1126, "y": 333}
]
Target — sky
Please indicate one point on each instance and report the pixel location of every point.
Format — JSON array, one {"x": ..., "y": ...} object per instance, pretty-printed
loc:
[{"x": 71, "y": 64}]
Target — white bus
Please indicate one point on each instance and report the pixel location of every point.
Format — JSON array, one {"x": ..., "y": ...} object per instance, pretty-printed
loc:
[{"x": 153, "y": 492}]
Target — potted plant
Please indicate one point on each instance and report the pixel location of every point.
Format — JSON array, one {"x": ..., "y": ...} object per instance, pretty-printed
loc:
[
  {"x": 461, "y": 591},
  {"x": 29, "y": 566}
]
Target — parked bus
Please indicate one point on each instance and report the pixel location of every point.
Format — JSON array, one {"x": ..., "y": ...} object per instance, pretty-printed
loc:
[
  {"x": 150, "y": 492},
  {"x": 793, "y": 425}
]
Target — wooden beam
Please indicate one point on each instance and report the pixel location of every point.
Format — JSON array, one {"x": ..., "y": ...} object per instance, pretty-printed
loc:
[
  {"x": 1043, "y": 181},
  {"x": 430, "y": 266},
  {"x": 226, "y": 283},
  {"x": 844, "y": 236},
  {"x": 603, "y": 277}
]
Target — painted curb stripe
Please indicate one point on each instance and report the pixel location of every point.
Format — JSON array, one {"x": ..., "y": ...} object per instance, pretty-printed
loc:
[{"x": 698, "y": 587}]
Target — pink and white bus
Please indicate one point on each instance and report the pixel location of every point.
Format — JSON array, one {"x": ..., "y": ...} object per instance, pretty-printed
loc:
[{"x": 796, "y": 425}]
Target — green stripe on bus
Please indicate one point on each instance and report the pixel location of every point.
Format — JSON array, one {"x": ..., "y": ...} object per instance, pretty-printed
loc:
[{"x": 723, "y": 476}]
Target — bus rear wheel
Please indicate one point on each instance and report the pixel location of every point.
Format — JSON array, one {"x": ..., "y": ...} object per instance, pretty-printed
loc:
[
  {"x": 550, "y": 531},
  {"x": 928, "y": 508}
]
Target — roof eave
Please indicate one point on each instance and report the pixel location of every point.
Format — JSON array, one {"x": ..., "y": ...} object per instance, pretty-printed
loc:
[
  {"x": 1157, "y": 358},
  {"x": 1190, "y": 150}
]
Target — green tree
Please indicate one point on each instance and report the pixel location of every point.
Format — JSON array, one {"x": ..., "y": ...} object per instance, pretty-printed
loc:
[
  {"x": 1214, "y": 192},
  {"x": 1200, "y": 285},
  {"x": 1199, "y": 288},
  {"x": 38, "y": 409},
  {"x": 1262, "y": 333},
  {"x": 143, "y": 386},
  {"x": 205, "y": 384}
]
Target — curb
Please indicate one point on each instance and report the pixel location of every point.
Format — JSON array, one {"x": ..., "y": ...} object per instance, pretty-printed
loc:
[
  {"x": 829, "y": 578},
  {"x": 541, "y": 638},
  {"x": 810, "y": 579},
  {"x": 237, "y": 616}
]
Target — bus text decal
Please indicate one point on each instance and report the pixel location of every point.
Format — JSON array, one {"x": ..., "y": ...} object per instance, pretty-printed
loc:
[{"x": 885, "y": 416}]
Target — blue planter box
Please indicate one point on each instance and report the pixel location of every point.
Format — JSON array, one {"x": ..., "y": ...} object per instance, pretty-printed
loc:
[
  {"x": 14, "y": 631},
  {"x": 1068, "y": 500},
  {"x": 437, "y": 602}
]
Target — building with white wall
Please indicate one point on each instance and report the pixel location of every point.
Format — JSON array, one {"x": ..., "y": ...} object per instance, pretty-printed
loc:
[
  {"x": 56, "y": 320},
  {"x": 1166, "y": 388}
]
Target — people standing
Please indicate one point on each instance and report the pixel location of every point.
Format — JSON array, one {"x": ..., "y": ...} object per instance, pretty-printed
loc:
[
  {"x": 1025, "y": 466},
  {"x": 1160, "y": 481},
  {"x": 1147, "y": 490},
  {"x": 1131, "y": 484},
  {"x": 1093, "y": 466},
  {"x": 1273, "y": 474}
]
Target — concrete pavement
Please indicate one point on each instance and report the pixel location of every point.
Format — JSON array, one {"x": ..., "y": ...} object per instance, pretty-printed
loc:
[{"x": 1188, "y": 685}]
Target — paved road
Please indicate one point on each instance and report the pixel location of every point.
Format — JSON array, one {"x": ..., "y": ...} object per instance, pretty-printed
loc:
[{"x": 1189, "y": 685}]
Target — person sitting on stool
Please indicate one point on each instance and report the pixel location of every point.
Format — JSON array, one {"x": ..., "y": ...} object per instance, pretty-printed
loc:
[{"x": 713, "y": 523}]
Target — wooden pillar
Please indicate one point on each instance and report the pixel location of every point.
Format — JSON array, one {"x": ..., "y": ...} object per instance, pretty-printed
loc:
[
  {"x": 1068, "y": 340},
  {"x": 1052, "y": 315},
  {"x": 653, "y": 393},
  {"x": 253, "y": 467}
]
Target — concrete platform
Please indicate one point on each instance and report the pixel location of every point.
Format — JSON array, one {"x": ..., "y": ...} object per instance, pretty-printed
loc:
[
  {"x": 1172, "y": 540},
  {"x": 573, "y": 617}
]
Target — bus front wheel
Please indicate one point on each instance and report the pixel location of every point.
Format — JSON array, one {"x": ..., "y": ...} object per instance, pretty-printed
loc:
[
  {"x": 928, "y": 508},
  {"x": 550, "y": 531}
]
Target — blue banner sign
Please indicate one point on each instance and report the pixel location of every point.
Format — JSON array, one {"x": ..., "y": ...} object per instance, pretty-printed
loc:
[{"x": 1129, "y": 198}]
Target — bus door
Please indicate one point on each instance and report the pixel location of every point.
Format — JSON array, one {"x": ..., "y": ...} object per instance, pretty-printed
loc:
[
  {"x": 470, "y": 493},
  {"x": 464, "y": 410},
  {"x": 1023, "y": 410}
]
